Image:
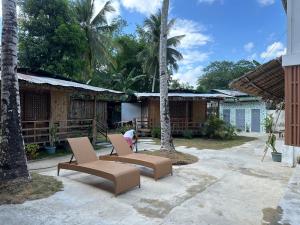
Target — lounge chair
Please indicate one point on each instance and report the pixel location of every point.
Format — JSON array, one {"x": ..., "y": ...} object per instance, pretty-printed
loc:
[
  {"x": 123, "y": 176},
  {"x": 161, "y": 166}
]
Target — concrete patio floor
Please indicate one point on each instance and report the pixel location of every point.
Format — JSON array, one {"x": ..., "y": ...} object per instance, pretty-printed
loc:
[{"x": 225, "y": 187}]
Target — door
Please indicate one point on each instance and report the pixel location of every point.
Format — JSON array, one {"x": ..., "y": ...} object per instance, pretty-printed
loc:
[
  {"x": 240, "y": 119},
  {"x": 255, "y": 120},
  {"x": 226, "y": 115}
]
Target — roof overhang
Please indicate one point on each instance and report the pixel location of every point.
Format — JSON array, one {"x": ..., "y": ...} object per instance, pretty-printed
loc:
[
  {"x": 182, "y": 96},
  {"x": 266, "y": 81},
  {"x": 63, "y": 84},
  {"x": 284, "y": 3}
]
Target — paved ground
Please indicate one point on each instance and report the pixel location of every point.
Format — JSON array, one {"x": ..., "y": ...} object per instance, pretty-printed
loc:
[{"x": 226, "y": 187}]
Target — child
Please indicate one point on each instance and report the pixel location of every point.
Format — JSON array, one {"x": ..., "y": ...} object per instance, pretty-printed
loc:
[{"x": 130, "y": 137}]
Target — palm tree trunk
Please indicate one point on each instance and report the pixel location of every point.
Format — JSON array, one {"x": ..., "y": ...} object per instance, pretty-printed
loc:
[
  {"x": 166, "y": 139},
  {"x": 154, "y": 79},
  {"x": 13, "y": 164}
]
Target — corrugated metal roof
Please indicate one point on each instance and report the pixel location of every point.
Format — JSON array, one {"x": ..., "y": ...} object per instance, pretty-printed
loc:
[
  {"x": 61, "y": 83},
  {"x": 231, "y": 92},
  {"x": 183, "y": 95}
]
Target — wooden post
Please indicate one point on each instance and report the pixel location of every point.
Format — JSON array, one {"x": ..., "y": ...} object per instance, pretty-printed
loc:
[
  {"x": 95, "y": 121},
  {"x": 186, "y": 114}
]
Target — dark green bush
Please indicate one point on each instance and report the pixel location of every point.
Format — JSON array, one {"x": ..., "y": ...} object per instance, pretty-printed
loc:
[
  {"x": 156, "y": 132},
  {"x": 31, "y": 151},
  {"x": 216, "y": 128},
  {"x": 188, "y": 134}
]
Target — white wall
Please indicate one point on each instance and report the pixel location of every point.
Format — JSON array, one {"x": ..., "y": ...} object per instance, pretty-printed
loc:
[
  {"x": 281, "y": 119},
  {"x": 293, "y": 46},
  {"x": 130, "y": 111}
]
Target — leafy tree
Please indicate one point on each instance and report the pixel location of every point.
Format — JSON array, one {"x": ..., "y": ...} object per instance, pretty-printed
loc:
[
  {"x": 13, "y": 165},
  {"x": 176, "y": 85},
  {"x": 51, "y": 38},
  {"x": 219, "y": 74},
  {"x": 97, "y": 33},
  {"x": 150, "y": 54}
]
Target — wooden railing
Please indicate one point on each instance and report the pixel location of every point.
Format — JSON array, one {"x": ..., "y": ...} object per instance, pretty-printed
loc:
[
  {"x": 39, "y": 131},
  {"x": 178, "y": 125}
]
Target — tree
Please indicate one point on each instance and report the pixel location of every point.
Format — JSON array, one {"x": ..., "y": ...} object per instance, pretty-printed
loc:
[
  {"x": 13, "y": 164},
  {"x": 51, "y": 37},
  {"x": 96, "y": 29},
  {"x": 150, "y": 54},
  {"x": 166, "y": 139},
  {"x": 219, "y": 74},
  {"x": 176, "y": 85}
]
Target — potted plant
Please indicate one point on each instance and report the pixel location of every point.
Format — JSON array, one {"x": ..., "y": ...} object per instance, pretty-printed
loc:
[
  {"x": 53, "y": 138},
  {"x": 271, "y": 142}
]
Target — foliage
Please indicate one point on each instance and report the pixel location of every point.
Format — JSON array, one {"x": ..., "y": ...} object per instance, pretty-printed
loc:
[
  {"x": 97, "y": 33},
  {"x": 50, "y": 38},
  {"x": 156, "y": 132},
  {"x": 188, "y": 134},
  {"x": 31, "y": 151},
  {"x": 219, "y": 74},
  {"x": 216, "y": 128},
  {"x": 269, "y": 128},
  {"x": 269, "y": 124},
  {"x": 124, "y": 128},
  {"x": 176, "y": 85},
  {"x": 150, "y": 33},
  {"x": 53, "y": 135}
]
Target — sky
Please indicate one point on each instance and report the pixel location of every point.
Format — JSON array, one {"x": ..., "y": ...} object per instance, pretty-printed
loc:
[{"x": 214, "y": 29}]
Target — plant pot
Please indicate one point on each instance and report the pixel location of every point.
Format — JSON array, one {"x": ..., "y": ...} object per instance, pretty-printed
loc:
[
  {"x": 50, "y": 149},
  {"x": 276, "y": 156}
]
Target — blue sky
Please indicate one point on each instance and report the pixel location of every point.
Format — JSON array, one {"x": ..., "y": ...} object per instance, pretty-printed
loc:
[{"x": 215, "y": 29}]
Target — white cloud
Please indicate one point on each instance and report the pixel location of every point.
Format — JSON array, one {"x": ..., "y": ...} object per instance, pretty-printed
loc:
[
  {"x": 194, "y": 36},
  {"x": 274, "y": 50},
  {"x": 98, "y": 5},
  {"x": 189, "y": 75},
  {"x": 142, "y": 6},
  {"x": 249, "y": 47},
  {"x": 266, "y": 2},
  {"x": 193, "y": 56}
]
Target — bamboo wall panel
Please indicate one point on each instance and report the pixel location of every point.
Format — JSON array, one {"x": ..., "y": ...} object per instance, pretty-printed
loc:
[
  {"x": 84, "y": 109},
  {"x": 199, "y": 111},
  {"x": 35, "y": 106},
  {"x": 292, "y": 105},
  {"x": 59, "y": 105}
]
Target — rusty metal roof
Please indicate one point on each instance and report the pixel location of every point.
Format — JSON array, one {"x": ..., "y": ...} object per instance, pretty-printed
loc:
[
  {"x": 184, "y": 95},
  {"x": 38, "y": 80}
]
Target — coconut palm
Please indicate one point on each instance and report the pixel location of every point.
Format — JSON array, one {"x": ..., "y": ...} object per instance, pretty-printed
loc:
[
  {"x": 166, "y": 139},
  {"x": 150, "y": 55},
  {"x": 13, "y": 165},
  {"x": 96, "y": 29}
]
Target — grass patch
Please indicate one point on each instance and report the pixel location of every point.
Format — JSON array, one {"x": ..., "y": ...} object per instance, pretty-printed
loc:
[
  {"x": 178, "y": 158},
  {"x": 39, "y": 187},
  {"x": 203, "y": 143}
]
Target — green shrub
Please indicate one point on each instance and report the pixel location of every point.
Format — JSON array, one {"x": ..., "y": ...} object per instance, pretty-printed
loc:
[
  {"x": 188, "y": 134},
  {"x": 216, "y": 128},
  {"x": 31, "y": 151},
  {"x": 156, "y": 132},
  {"x": 269, "y": 124}
]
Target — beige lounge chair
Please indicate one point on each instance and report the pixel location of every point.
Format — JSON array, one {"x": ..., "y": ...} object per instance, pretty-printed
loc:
[
  {"x": 123, "y": 176},
  {"x": 161, "y": 166}
]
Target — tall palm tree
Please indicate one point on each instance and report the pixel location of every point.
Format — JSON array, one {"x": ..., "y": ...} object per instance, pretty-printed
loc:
[
  {"x": 96, "y": 29},
  {"x": 166, "y": 138},
  {"x": 150, "y": 55},
  {"x": 13, "y": 164}
]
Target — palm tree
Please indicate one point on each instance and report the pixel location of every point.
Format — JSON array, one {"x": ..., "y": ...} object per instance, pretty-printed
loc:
[
  {"x": 13, "y": 164},
  {"x": 96, "y": 31},
  {"x": 166, "y": 139},
  {"x": 150, "y": 55}
]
